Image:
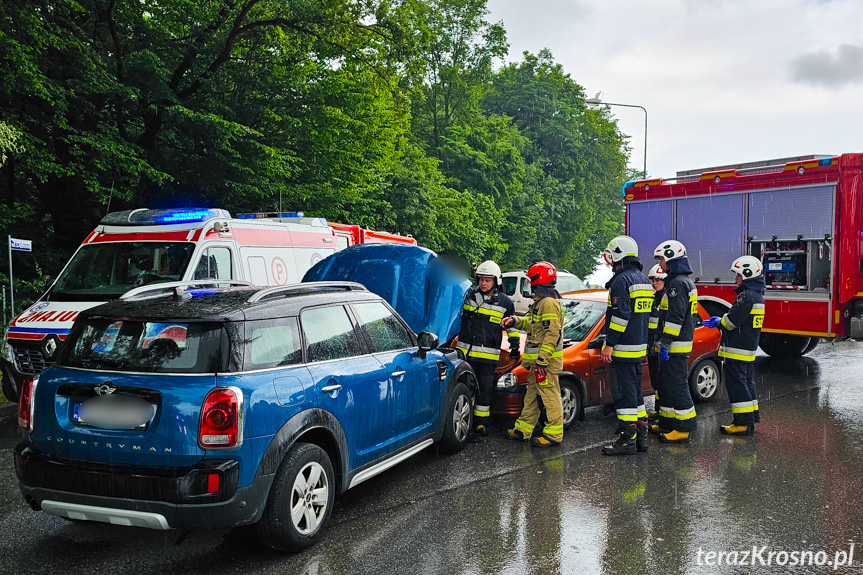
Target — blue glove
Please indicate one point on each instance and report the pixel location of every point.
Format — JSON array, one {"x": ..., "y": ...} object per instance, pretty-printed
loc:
[
  {"x": 663, "y": 354},
  {"x": 712, "y": 322}
]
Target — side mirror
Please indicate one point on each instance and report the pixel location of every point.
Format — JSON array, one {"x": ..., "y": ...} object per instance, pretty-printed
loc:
[
  {"x": 597, "y": 342},
  {"x": 427, "y": 341}
]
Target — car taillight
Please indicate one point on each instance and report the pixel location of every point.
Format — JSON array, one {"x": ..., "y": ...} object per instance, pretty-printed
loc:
[
  {"x": 25, "y": 405},
  {"x": 222, "y": 419}
]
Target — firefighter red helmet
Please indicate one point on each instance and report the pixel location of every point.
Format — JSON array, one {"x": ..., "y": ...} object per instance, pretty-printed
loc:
[{"x": 542, "y": 273}]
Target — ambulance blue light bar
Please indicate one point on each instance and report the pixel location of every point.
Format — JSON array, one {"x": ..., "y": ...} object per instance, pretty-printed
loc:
[
  {"x": 145, "y": 217},
  {"x": 265, "y": 215}
]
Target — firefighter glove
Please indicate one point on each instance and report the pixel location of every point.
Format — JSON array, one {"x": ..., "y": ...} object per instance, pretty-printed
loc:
[
  {"x": 663, "y": 354},
  {"x": 712, "y": 322}
]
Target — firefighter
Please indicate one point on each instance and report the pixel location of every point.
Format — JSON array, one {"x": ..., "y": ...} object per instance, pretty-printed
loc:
[
  {"x": 674, "y": 336},
  {"x": 543, "y": 356},
  {"x": 657, "y": 278},
  {"x": 630, "y": 300},
  {"x": 483, "y": 309},
  {"x": 741, "y": 330}
]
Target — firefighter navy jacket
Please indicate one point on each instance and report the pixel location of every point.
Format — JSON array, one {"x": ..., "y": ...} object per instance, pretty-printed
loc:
[
  {"x": 676, "y": 327},
  {"x": 741, "y": 326},
  {"x": 630, "y": 299},
  {"x": 480, "y": 333}
]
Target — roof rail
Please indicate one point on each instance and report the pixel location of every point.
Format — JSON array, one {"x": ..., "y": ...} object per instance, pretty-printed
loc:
[
  {"x": 305, "y": 287},
  {"x": 135, "y": 292}
]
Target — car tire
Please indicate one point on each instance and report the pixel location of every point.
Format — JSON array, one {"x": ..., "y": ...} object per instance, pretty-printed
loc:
[
  {"x": 570, "y": 397},
  {"x": 301, "y": 499},
  {"x": 8, "y": 391},
  {"x": 459, "y": 420},
  {"x": 813, "y": 343},
  {"x": 704, "y": 380}
]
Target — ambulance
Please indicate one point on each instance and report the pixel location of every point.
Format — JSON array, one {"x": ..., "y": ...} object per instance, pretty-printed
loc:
[{"x": 136, "y": 248}]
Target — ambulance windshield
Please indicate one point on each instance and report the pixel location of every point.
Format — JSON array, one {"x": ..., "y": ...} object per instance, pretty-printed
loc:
[{"x": 100, "y": 272}]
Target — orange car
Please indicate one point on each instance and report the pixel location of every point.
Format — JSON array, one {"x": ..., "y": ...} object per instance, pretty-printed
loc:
[{"x": 585, "y": 378}]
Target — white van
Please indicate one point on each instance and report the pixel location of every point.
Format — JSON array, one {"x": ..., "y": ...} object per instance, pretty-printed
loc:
[{"x": 517, "y": 286}]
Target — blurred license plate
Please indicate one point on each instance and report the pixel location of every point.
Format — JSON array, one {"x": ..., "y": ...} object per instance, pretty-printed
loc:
[{"x": 114, "y": 412}]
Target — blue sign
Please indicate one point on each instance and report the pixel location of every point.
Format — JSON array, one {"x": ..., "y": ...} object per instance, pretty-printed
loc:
[{"x": 21, "y": 245}]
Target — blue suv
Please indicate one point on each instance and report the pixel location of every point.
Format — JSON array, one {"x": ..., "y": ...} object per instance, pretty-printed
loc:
[{"x": 210, "y": 408}]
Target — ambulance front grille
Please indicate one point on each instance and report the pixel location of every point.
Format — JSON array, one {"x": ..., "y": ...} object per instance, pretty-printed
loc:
[{"x": 30, "y": 361}]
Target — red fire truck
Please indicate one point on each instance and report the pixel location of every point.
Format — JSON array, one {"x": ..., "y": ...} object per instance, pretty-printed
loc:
[{"x": 803, "y": 217}]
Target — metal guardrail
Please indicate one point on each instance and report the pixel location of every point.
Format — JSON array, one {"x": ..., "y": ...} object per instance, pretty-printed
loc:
[{"x": 136, "y": 292}]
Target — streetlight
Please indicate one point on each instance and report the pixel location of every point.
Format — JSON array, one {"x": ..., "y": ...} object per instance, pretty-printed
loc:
[{"x": 598, "y": 102}]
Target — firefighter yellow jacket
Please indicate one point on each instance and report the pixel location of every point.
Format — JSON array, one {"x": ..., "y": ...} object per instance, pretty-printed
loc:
[{"x": 544, "y": 326}]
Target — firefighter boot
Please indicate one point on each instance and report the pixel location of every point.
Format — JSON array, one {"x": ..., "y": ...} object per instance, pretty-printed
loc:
[
  {"x": 514, "y": 435},
  {"x": 480, "y": 430},
  {"x": 543, "y": 441},
  {"x": 641, "y": 437},
  {"x": 625, "y": 444},
  {"x": 674, "y": 437},
  {"x": 736, "y": 429},
  {"x": 656, "y": 429}
]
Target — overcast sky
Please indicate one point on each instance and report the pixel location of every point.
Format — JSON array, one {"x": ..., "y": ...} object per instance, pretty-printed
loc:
[{"x": 723, "y": 81}]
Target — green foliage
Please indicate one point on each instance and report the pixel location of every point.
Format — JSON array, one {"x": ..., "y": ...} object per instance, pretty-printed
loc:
[{"x": 384, "y": 113}]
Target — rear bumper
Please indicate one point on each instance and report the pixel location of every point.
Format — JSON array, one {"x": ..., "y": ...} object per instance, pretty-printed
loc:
[{"x": 148, "y": 497}]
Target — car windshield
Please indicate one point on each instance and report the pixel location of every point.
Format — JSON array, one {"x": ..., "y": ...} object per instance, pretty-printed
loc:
[
  {"x": 580, "y": 316},
  {"x": 127, "y": 345},
  {"x": 100, "y": 272},
  {"x": 568, "y": 283}
]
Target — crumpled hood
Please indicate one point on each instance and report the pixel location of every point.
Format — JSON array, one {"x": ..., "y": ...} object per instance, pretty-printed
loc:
[
  {"x": 679, "y": 266},
  {"x": 427, "y": 293},
  {"x": 758, "y": 284}
]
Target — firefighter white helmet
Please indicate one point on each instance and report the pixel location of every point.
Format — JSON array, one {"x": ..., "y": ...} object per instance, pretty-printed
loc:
[
  {"x": 669, "y": 250},
  {"x": 656, "y": 272},
  {"x": 747, "y": 266},
  {"x": 619, "y": 248},
  {"x": 489, "y": 269}
]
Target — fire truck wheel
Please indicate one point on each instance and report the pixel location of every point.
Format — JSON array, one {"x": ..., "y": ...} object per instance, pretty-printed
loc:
[
  {"x": 784, "y": 345},
  {"x": 812, "y": 345}
]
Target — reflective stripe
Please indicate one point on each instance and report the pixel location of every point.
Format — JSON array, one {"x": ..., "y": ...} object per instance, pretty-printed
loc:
[
  {"x": 481, "y": 409},
  {"x": 513, "y": 334},
  {"x": 684, "y": 414},
  {"x": 529, "y": 356},
  {"x": 727, "y": 324},
  {"x": 521, "y": 425},
  {"x": 758, "y": 306},
  {"x": 743, "y": 407},
  {"x": 619, "y": 321},
  {"x": 641, "y": 287},
  {"x": 667, "y": 412},
  {"x": 672, "y": 328},
  {"x": 627, "y": 414},
  {"x": 757, "y": 311},
  {"x": 680, "y": 347},
  {"x": 616, "y": 327},
  {"x": 629, "y": 351},
  {"x": 546, "y": 347},
  {"x": 641, "y": 293},
  {"x": 653, "y": 323},
  {"x": 693, "y": 295},
  {"x": 553, "y": 429},
  {"x": 738, "y": 354},
  {"x": 478, "y": 351}
]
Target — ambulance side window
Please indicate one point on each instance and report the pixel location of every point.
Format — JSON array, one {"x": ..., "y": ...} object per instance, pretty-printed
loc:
[
  {"x": 215, "y": 263},
  {"x": 258, "y": 271}
]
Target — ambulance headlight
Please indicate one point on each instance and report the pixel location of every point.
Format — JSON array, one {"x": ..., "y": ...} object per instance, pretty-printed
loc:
[
  {"x": 507, "y": 380},
  {"x": 8, "y": 353}
]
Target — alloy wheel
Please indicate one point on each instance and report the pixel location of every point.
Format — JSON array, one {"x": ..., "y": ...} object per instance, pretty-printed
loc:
[
  {"x": 309, "y": 497},
  {"x": 461, "y": 417}
]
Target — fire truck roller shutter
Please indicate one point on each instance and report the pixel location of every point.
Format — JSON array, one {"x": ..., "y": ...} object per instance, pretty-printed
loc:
[
  {"x": 789, "y": 213},
  {"x": 649, "y": 223},
  {"x": 711, "y": 228}
]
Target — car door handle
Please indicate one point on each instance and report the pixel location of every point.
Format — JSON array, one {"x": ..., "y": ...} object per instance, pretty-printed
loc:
[
  {"x": 329, "y": 388},
  {"x": 398, "y": 373}
]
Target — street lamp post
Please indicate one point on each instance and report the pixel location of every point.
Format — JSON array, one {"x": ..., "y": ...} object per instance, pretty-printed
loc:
[{"x": 598, "y": 102}]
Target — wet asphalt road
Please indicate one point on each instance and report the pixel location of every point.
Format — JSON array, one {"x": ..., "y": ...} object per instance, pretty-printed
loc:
[{"x": 501, "y": 507}]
